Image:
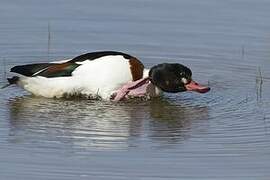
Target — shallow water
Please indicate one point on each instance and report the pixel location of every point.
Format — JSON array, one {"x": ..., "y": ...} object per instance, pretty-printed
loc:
[{"x": 223, "y": 134}]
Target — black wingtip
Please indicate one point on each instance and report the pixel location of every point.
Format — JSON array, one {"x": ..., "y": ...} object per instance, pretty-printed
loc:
[
  {"x": 14, "y": 69},
  {"x": 24, "y": 70},
  {"x": 29, "y": 69}
]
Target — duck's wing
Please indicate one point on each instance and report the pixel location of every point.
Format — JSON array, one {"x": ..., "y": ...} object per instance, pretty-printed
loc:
[
  {"x": 46, "y": 69},
  {"x": 29, "y": 69}
]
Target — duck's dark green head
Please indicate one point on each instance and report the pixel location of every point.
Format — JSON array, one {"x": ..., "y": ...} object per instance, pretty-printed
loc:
[{"x": 174, "y": 78}]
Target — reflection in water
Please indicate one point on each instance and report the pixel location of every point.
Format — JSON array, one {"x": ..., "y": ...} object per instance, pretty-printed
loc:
[{"x": 98, "y": 124}]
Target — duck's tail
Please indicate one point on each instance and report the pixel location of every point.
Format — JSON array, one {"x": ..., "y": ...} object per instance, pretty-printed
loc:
[{"x": 11, "y": 81}]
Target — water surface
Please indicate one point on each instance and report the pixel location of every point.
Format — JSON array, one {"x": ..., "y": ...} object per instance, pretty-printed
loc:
[{"x": 223, "y": 134}]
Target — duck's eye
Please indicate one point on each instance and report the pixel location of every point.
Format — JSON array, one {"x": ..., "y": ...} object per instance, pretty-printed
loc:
[
  {"x": 184, "y": 80},
  {"x": 182, "y": 74}
]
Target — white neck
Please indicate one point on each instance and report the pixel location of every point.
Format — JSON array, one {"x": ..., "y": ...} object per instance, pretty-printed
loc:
[{"x": 145, "y": 73}]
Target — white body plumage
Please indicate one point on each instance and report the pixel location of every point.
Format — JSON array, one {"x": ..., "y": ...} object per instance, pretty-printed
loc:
[{"x": 102, "y": 77}]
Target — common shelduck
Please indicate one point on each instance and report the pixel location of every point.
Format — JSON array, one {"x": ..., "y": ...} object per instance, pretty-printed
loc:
[{"x": 109, "y": 75}]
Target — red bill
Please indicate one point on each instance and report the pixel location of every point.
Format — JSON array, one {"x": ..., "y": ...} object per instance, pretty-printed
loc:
[{"x": 194, "y": 86}]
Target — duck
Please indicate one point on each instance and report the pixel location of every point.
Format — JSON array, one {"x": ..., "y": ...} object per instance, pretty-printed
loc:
[{"x": 109, "y": 75}]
